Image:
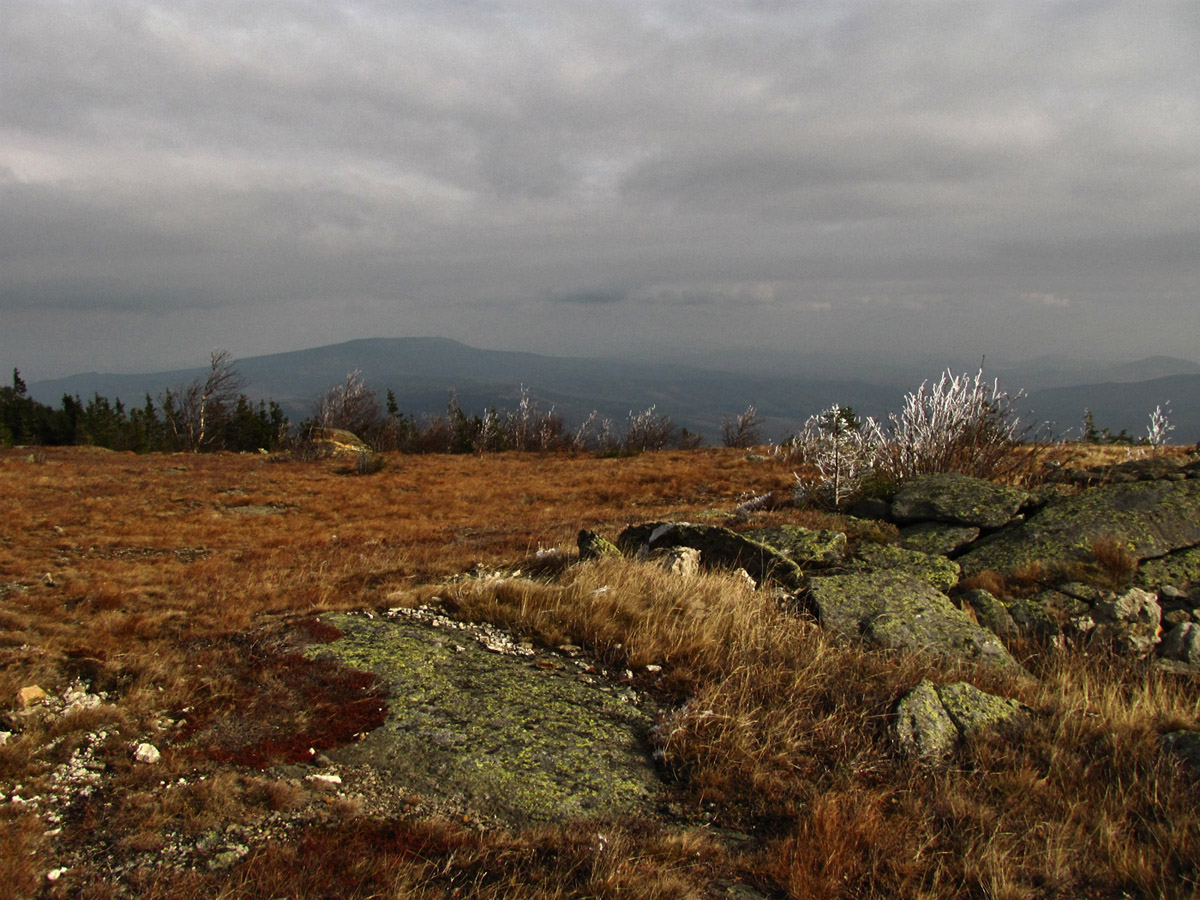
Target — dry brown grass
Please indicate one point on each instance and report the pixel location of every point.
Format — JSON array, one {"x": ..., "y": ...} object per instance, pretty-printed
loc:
[{"x": 180, "y": 584}]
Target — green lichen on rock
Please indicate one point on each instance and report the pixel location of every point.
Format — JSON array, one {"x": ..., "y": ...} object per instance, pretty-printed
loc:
[
  {"x": 804, "y": 546},
  {"x": 937, "y": 571},
  {"x": 594, "y": 546},
  {"x": 990, "y": 613},
  {"x": 719, "y": 548},
  {"x": 973, "y": 710},
  {"x": 957, "y": 499},
  {"x": 493, "y": 732},
  {"x": 1149, "y": 518},
  {"x": 902, "y": 612},
  {"x": 1180, "y": 569}
]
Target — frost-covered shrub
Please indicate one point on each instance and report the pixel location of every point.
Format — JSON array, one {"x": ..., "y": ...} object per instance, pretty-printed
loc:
[
  {"x": 839, "y": 451},
  {"x": 957, "y": 424}
]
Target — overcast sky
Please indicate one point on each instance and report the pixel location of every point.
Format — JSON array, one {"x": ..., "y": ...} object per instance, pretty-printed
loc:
[{"x": 871, "y": 179}]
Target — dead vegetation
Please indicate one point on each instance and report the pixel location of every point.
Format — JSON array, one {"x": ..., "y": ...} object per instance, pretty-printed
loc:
[{"x": 177, "y": 589}]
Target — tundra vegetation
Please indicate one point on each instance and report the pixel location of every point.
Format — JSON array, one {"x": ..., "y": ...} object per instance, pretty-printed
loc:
[{"x": 179, "y": 589}]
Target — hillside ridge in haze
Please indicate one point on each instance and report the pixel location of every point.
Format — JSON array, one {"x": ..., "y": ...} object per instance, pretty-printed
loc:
[{"x": 421, "y": 371}]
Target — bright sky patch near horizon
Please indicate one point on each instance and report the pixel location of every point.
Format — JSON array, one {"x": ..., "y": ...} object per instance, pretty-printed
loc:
[{"x": 855, "y": 179}]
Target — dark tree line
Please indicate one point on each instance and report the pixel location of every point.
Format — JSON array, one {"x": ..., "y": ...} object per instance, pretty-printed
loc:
[
  {"x": 211, "y": 413},
  {"x": 175, "y": 422}
]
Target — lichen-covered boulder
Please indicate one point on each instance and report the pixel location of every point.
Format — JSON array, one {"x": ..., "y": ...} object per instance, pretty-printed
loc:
[
  {"x": 902, "y": 612},
  {"x": 931, "y": 719},
  {"x": 472, "y": 726},
  {"x": 937, "y": 537},
  {"x": 804, "y": 546},
  {"x": 958, "y": 499},
  {"x": 939, "y": 572},
  {"x": 719, "y": 548},
  {"x": 1180, "y": 570},
  {"x": 1149, "y": 518}
]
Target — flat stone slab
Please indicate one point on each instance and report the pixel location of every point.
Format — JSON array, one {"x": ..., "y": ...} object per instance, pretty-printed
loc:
[
  {"x": 902, "y": 612},
  {"x": 959, "y": 500},
  {"x": 515, "y": 736}
]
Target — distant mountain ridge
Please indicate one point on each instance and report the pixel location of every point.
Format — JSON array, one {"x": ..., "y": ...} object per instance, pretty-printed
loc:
[{"x": 421, "y": 371}]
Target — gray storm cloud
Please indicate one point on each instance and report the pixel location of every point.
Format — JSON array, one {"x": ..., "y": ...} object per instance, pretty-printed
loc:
[{"x": 591, "y": 177}]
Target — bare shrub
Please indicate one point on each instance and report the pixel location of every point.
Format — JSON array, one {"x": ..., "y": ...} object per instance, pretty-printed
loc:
[
  {"x": 743, "y": 430},
  {"x": 352, "y": 406},
  {"x": 647, "y": 430}
]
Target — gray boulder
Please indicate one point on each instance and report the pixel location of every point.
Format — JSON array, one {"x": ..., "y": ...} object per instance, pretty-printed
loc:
[
  {"x": 1129, "y": 621},
  {"x": 902, "y": 612},
  {"x": 1182, "y": 643},
  {"x": 804, "y": 546},
  {"x": 939, "y": 572},
  {"x": 958, "y": 499},
  {"x": 1150, "y": 518},
  {"x": 990, "y": 613}
]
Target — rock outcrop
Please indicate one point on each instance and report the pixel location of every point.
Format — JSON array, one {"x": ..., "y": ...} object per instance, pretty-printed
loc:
[
  {"x": 958, "y": 500},
  {"x": 719, "y": 548}
]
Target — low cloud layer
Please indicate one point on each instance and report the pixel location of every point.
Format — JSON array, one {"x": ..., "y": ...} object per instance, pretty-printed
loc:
[{"x": 878, "y": 178}]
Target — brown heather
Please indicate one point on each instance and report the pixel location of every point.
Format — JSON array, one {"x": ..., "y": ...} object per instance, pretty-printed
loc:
[{"x": 186, "y": 583}]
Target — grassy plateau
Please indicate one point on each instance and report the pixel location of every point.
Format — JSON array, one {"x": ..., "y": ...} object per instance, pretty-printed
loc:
[{"x": 177, "y": 589}]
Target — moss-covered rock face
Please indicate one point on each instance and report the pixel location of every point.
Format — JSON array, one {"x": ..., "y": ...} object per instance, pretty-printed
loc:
[
  {"x": 958, "y": 499},
  {"x": 805, "y": 546},
  {"x": 937, "y": 571},
  {"x": 510, "y": 737},
  {"x": 901, "y": 612},
  {"x": 1150, "y": 518},
  {"x": 937, "y": 537}
]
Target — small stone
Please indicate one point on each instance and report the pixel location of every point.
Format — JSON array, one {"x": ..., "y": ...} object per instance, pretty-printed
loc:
[
  {"x": 325, "y": 781},
  {"x": 30, "y": 696},
  {"x": 147, "y": 753},
  {"x": 48, "y": 580},
  {"x": 55, "y": 874}
]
